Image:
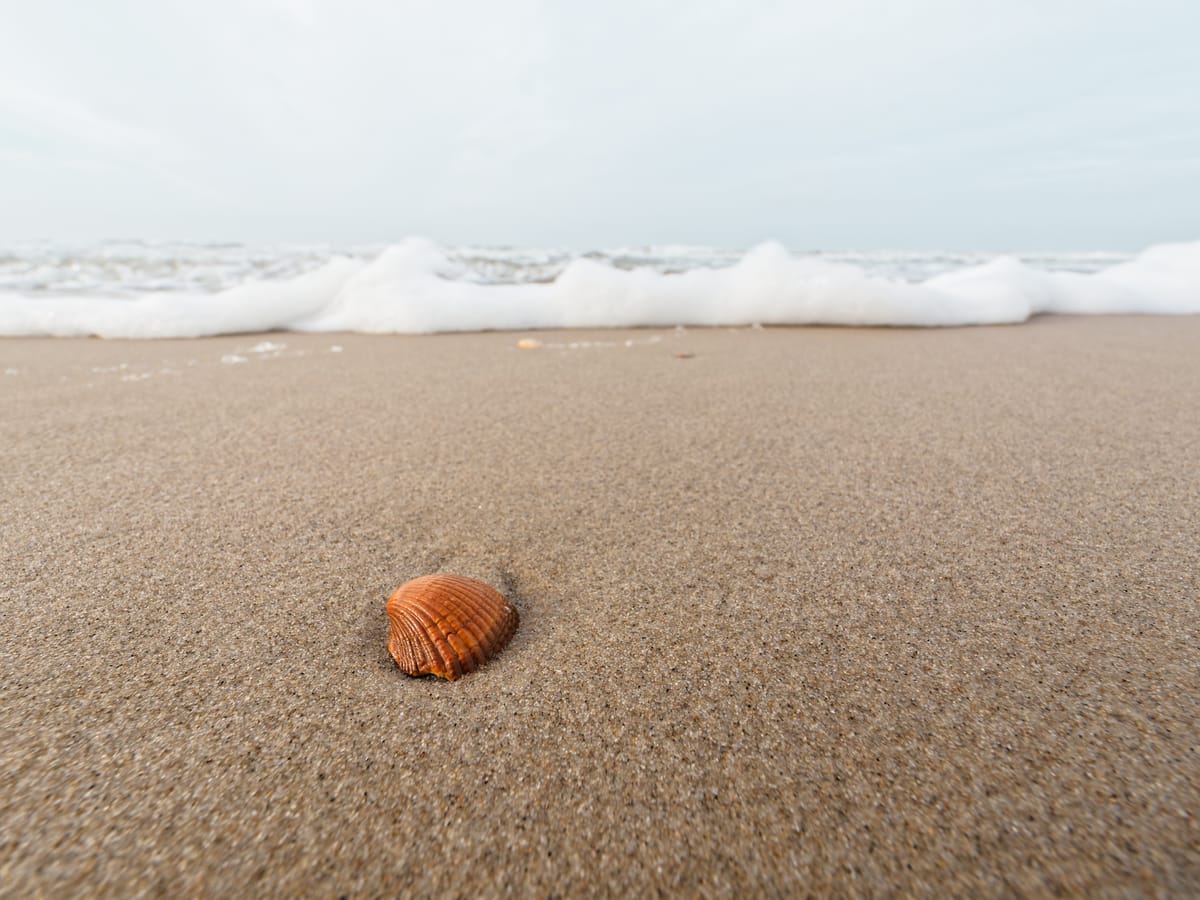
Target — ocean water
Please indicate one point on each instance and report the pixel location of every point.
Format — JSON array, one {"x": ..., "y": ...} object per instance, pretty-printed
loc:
[{"x": 175, "y": 289}]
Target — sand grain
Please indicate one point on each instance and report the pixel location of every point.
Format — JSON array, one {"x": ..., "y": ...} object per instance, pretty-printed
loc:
[{"x": 820, "y": 609}]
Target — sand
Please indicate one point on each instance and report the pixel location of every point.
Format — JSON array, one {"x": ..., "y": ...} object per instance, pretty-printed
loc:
[{"x": 815, "y": 610}]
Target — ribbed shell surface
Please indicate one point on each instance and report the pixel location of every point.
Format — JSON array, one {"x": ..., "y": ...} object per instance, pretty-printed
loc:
[{"x": 447, "y": 625}]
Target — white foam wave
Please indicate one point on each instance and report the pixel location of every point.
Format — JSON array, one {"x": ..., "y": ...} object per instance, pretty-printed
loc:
[{"x": 417, "y": 287}]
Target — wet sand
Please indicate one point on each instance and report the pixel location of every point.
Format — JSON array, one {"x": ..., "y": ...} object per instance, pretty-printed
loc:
[{"x": 823, "y": 610}]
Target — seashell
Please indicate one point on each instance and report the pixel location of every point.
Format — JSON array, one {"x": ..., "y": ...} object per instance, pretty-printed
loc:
[
  {"x": 529, "y": 344},
  {"x": 447, "y": 625}
]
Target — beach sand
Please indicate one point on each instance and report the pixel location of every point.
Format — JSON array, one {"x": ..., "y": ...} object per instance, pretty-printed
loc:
[{"x": 825, "y": 610}]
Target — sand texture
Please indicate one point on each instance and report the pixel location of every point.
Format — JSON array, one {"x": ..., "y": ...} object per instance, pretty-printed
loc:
[{"x": 826, "y": 610}]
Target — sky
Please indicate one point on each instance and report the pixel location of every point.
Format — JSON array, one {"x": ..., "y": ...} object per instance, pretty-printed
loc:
[{"x": 860, "y": 124}]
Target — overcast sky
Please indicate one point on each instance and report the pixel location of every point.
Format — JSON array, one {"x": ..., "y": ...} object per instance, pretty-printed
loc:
[{"x": 850, "y": 124}]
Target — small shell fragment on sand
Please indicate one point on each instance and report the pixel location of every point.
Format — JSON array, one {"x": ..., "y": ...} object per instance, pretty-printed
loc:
[
  {"x": 528, "y": 344},
  {"x": 683, "y": 354},
  {"x": 447, "y": 625}
]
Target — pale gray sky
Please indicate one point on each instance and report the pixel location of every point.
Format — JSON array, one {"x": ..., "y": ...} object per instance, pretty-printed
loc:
[{"x": 851, "y": 124}]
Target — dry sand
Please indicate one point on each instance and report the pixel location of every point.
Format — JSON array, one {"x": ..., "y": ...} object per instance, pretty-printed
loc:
[{"x": 823, "y": 610}]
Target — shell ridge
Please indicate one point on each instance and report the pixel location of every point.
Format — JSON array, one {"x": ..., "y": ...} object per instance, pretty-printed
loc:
[
  {"x": 477, "y": 626},
  {"x": 425, "y": 653},
  {"x": 443, "y": 649},
  {"x": 505, "y": 624},
  {"x": 435, "y": 658},
  {"x": 498, "y": 620},
  {"x": 397, "y": 638},
  {"x": 499, "y": 627},
  {"x": 463, "y": 656},
  {"x": 450, "y": 621},
  {"x": 407, "y": 635}
]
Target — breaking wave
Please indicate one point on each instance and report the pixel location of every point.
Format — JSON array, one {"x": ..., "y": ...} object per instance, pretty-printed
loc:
[{"x": 418, "y": 287}]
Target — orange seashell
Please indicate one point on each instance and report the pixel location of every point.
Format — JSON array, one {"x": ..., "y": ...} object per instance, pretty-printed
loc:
[{"x": 447, "y": 625}]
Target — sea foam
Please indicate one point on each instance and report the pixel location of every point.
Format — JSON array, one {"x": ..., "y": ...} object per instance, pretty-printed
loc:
[{"x": 418, "y": 287}]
